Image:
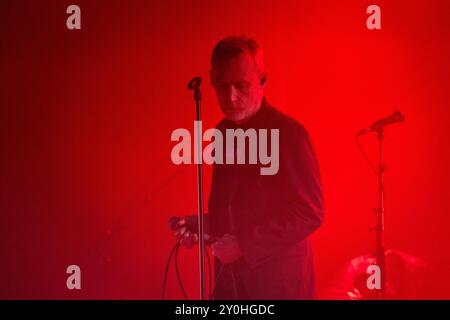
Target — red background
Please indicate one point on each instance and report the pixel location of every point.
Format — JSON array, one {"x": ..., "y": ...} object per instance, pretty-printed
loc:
[{"x": 86, "y": 118}]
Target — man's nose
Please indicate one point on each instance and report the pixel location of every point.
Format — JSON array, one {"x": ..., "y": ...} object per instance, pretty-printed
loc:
[{"x": 234, "y": 94}]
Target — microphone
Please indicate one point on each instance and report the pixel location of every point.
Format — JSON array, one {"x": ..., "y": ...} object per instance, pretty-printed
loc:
[
  {"x": 397, "y": 116},
  {"x": 194, "y": 84}
]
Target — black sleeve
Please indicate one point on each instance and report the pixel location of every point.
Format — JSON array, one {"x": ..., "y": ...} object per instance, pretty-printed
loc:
[
  {"x": 192, "y": 223},
  {"x": 301, "y": 213}
]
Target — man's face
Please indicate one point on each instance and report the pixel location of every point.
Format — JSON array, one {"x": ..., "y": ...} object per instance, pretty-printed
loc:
[{"x": 238, "y": 87}]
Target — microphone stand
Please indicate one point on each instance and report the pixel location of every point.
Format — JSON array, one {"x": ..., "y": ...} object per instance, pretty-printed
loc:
[
  {"x": 194, "y": 85},
  {"x": 378, "y": 127},
  {"x": 380, "y": 249}
]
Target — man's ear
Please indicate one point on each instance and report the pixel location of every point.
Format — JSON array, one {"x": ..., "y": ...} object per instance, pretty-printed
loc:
[
  {"x": 263, "y": 79},
  {"x": 211, "y": 77}
]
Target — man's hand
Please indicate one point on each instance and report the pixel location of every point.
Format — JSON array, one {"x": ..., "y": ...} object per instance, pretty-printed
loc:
[
  {"x": 182, "y": 234},
  {"x": 187, "y": 238},
  {"x": 227, "y": 249}
]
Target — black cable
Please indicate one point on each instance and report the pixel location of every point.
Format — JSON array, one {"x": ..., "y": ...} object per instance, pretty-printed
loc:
[
  {"x": 180, "y": 283},
  {"x": 233, "y": 277},
  {"x": 218, "y": 277},
  {"x": 210, "y": 274},
  {"x": 365, "y": 156},
  {"x": 163, "y": 290},
  {"x": 175, "y": 251},
  {"x": 215, "y": 282}
]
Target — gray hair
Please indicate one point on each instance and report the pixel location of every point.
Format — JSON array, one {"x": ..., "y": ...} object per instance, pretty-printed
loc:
[{"x": 234, "y": 45}]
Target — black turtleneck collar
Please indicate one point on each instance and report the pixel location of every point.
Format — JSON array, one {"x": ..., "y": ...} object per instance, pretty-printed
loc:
[{"x": 255, "y": 121}]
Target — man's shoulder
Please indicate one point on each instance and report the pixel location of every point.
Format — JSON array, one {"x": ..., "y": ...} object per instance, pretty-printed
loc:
[
  {"x": 222, "y": 124},
  {"x": 280, "y": 120},
  {"x": 273, "y": 118}
]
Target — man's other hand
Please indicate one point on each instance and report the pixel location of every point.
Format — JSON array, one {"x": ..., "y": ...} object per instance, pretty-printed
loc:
[{"x": 227, "y": 249}]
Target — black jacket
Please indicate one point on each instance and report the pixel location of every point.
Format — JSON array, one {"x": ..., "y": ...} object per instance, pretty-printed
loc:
[{"x": 271, "y": 215}]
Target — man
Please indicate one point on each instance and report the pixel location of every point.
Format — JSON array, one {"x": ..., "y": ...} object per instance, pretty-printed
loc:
[{"x": 261, "y": 222}]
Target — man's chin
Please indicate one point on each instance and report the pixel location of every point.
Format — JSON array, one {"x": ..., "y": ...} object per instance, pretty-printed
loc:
[{"x": 235, "y": 118}]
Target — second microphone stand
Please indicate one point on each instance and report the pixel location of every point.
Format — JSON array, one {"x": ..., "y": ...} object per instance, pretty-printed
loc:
[{"x": 380, "y": 250}]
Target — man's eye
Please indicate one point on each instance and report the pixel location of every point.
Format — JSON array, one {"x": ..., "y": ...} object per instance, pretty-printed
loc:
[
  {"x": 222, "y": 86},
  {"x": 241, "y": 85}
]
